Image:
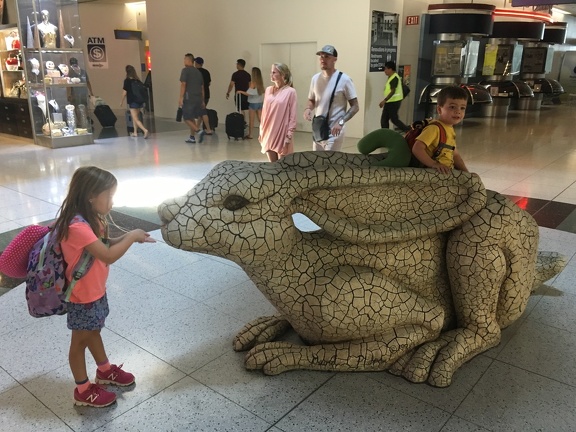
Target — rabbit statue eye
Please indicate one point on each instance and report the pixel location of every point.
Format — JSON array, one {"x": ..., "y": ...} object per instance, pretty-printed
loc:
[{"x": 235, "y": 202}]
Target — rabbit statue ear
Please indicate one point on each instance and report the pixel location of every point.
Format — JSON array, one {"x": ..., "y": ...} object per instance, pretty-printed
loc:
[{"x": 395, "y": 205}]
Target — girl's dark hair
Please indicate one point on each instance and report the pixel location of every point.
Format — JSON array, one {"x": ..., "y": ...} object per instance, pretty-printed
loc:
[
  {"x": 131, "y": 72},
  {"x": 87, "y": 183}
]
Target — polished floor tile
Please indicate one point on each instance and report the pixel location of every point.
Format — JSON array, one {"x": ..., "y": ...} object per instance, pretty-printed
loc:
[{"x": 174, "y": 313}]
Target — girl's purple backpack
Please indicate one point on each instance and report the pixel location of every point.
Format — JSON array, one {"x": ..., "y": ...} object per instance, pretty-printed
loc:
[{"x": 47, "y": 290}]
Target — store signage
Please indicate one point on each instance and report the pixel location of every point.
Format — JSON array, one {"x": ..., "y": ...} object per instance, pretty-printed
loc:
[
  {"x": 96, "y": 48},
  {"x": 413, "y": 20},
  {"x": 384, "y": 46}
]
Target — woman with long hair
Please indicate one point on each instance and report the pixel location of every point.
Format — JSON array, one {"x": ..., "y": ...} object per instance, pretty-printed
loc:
[
  {"x": 255, "y": 95},
  {"x": 131, "y": 99},
  {"x": 278, "y": 114}
]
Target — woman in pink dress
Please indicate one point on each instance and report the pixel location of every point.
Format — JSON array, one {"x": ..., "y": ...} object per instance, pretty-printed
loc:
[{"x": 278, "y": 121}]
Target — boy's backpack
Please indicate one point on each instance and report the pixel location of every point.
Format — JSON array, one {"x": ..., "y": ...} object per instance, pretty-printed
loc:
[
  {"x": 139, "y": 91},
  {"x": 412, "y": 135},
  {"x": 47, "y": 290}
]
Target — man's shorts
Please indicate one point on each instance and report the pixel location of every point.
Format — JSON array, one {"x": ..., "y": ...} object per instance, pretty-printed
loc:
[
  {"x": 88, "y": 316},
  {"x": 243, "y": 103},
  {"x": 191, "y": 110}
]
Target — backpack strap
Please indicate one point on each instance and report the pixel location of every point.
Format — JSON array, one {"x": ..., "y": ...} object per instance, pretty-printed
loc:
[
  {"x": 81, "y": 268},
  {"x": 43, "y": 251},
  {"x": 332, "y": 96},
  {"x": 442, "y": 141}
]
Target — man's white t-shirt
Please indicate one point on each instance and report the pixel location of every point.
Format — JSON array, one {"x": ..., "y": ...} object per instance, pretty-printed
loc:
[{"x": 321, "y": 89}]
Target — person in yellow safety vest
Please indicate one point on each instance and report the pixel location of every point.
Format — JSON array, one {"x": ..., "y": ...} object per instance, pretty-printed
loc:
[{"x": 393, "y": 96}]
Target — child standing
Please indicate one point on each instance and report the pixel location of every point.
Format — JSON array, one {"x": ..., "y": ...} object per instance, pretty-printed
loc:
[
  {"x": 90, "y": 195},
  {"x": 451, "y": 108}
]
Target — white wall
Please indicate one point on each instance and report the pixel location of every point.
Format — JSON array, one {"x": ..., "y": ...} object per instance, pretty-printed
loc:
[
  {"x": 222, "y": 31},
  {"x": 101, "y": 20}
]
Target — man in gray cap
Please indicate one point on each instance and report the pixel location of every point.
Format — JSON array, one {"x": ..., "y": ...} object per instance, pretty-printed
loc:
[{"x": 324, "y": 84}]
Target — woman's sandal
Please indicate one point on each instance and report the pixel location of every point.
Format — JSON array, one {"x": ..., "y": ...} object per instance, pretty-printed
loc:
[{"x": 248, "y": 137}]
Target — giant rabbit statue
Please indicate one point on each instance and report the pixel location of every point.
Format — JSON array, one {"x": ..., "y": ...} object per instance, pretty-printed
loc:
[{"x": 412, "y": 271}]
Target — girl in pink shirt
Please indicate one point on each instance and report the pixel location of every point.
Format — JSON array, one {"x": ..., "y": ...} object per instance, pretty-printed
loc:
[
  {"x": 90, "y": 195},
  {"x": 278, "y": 121}
]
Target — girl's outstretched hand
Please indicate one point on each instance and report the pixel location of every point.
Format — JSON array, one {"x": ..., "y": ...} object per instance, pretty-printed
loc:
[
  {"x": 149, "y": 239},
  {"x": 142, "y": 236}
]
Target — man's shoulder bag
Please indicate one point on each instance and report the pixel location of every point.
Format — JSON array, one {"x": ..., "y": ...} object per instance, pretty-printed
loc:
[{"x": 321, "y": 124}]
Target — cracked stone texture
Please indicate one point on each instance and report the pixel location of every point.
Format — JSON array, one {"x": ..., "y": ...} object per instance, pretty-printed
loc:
[{"x": 413, "y": 271}]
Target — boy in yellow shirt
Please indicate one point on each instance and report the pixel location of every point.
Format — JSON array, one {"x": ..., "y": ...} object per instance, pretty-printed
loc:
[{"x": 451, "y": 108}]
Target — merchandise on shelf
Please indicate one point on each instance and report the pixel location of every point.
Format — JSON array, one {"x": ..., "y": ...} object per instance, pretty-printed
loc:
[{"x": 52, "y": 70}]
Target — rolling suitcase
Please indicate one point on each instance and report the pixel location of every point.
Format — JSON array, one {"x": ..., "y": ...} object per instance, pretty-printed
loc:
[
  {"x": 212, "y": 118},
  {"x": 235, "y": 123},
  {"x": 130, "y": 123},
  {"x": 105, "y": 115}
]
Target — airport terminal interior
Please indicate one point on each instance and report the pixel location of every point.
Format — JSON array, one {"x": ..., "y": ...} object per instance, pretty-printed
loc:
[{"x": 174, "y": 313}]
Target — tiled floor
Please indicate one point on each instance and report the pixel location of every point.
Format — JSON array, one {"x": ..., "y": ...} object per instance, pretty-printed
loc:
[{"x": 174, "y": 313}]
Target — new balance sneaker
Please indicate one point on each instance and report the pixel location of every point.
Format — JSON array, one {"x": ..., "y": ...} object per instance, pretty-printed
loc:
[
  {"x": 115, "y": 376},
  {"x": 201, "y": 136},
  {"x": 191, "y": 140},
  {"x": 95, "y": 396}
]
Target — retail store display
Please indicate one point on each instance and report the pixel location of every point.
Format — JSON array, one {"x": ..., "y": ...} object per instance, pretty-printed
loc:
[
  {"x": 48, "y": 31},
  {"x": 42, "y": 59}
]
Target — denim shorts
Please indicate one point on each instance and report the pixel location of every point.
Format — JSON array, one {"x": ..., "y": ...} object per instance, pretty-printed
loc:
[
  {"x": 255, "y": 106},
  {"x": 88, "y": 316},
  {"x": 135, "y": 105}
]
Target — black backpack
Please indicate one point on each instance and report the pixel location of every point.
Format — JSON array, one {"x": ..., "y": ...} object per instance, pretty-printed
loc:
[
  {"x": 139, "y": 91},
  {"x": 405, "y": 89}
]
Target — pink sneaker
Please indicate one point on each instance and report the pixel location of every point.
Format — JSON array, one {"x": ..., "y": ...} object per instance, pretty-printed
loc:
[
  {"x": 95, "y": 396},
  {"x": 115, "y": 376}
]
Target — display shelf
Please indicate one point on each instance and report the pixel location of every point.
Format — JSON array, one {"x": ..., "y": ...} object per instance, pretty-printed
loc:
[
  {"x": 53, "y": 51},
  {"x": 39, "y": 86},
  {"x": 53, "y": 60}
]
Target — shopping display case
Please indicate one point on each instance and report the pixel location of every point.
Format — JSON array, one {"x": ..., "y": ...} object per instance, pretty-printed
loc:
[
  {"x": 11, "y": 62},
  {"x": 54, "y": 72},
  {"x": 14, "y": 111}
]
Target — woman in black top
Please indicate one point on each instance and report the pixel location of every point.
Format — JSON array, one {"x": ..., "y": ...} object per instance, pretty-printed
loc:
[{"x": 133, "y": 104}]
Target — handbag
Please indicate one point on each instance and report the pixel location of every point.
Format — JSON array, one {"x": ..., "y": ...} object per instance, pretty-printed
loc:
[
  {"x": 320, "y": 128},
  {"x": 320, "y": 124}
]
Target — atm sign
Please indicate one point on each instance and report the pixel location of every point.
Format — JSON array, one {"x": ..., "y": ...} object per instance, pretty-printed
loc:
[{"x": 413, "y": 20}]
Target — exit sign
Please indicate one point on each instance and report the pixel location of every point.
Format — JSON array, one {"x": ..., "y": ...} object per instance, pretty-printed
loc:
[{"x": 413, "y": 20}]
